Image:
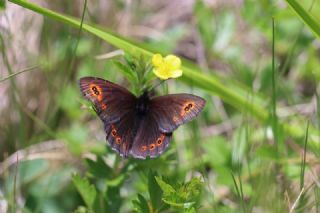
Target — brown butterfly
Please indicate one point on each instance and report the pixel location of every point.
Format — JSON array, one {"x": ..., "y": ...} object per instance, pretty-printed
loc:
[{"x": 140, "y": 126}]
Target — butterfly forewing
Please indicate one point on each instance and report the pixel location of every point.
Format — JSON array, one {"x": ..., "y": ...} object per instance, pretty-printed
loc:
[
  {"x": 110, "y": 100},
  {"x": 171, "y": 111}
]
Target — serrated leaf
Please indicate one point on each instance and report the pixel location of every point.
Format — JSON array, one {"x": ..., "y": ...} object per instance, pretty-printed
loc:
[
  {"x": 193, "y": 189},
  {"x": 184, "y": 195},
  {"x": 166, "y": 188},
  {"x": 141, "y": 205},
  {"x": 87, "y": 191},
  {"x": 98, "y": 168}
]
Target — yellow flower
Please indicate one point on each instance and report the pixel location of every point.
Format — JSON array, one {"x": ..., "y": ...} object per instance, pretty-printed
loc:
[{"x": 167, "y": 67}]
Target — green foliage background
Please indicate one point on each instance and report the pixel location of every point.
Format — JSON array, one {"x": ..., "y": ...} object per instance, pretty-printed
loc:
[{"x": 255, "y": 147}]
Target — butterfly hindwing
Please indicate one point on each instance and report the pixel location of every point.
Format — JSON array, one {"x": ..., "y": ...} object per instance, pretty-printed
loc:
[
  {"x": 120, "y": 134},
  {"x": 171, "y": 111},
  {"x": 149, "y": 141},
  {"x": 110, "y": 100}
]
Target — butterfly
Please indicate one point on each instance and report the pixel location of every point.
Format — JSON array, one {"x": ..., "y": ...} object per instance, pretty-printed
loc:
[{"x": 138, "y": 126}]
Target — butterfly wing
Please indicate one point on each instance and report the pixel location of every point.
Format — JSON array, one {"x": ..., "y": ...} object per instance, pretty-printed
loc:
[
  {"x": 115, "y": 106},
  {"x": 171, "y": 111},
  {"x": 120, "y": 134},
  {"x": 110, "y": 100},
  {"x": 166, "y": 113},
  {"x": 149, "y": 141}
]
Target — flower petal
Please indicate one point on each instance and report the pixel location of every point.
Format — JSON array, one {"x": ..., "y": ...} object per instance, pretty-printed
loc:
[
  {"x": 160, "y": 74},
  {"x": 175, "y": 73},
  {"x": 173, "y": 62},
  {"x": 157, "y": 60}
]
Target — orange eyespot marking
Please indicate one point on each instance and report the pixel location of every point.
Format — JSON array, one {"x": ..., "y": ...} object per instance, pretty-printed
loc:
[
  {"x": 96, "y": 91},
  {"x": 113, "y": 131},
  {"x": 160, "y": 140},
  {"x": 103, "y": 106},
  {"x": 118, "y": 140},
  {"x": 143, "y": 148},
  {"x": 187, "y": 108},
  {"x": 152, "y": 146}
]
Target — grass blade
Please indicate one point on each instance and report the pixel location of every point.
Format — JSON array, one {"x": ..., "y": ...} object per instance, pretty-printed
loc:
[
  {"x": 303, "y": 161},
  {"x": 239, "y": 191},
  {"x": 306, "y": 18},
  {"x": 274, "y": 95},
  {"x": 296, "y": 202},
  {"x": 17, "y": 73}
]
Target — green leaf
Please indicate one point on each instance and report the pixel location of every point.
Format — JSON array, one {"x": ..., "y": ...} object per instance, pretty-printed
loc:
[
  {"x": 306, "y": 18},
  {"x": 192, "y": 189},
  {"x": 113, "y": 199},
  {"x": 117, "y": 181},
  {"x": 155, "y": 191},
  {"x": 166, "y": 188},
  {"x": 99, "y": 168},
  {"x": 3, "y": 4},
  {"x": 81, "y": 209},
  {"x": 140, "y": 205},
  {"x": 185, "y": 195},
  {"x": 190, "y": 210},
  {"x": 87, "y": 191},
  {"x": 125, "y": 70}
]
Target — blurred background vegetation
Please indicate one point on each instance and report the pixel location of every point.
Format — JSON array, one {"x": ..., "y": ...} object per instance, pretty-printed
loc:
[{"x": 53, "y": 152}]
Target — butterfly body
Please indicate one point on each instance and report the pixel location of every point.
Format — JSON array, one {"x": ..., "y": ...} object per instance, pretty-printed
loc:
[
  {"x": 140, "y": 126},
  {"x": 142, "y": 105}
]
